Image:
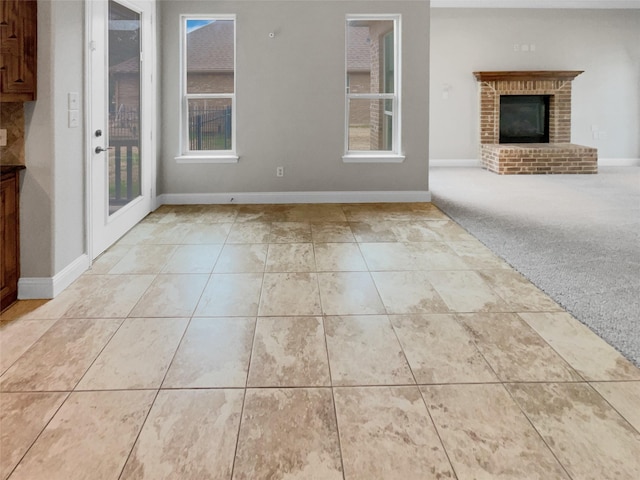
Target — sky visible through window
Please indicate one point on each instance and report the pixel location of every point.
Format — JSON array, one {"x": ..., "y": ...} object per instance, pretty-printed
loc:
[{"x": 196, "y": 24}]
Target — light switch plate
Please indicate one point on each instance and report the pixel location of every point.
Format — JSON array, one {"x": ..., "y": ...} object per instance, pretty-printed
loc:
[
  {"x": 3, "y": 137},
  {"x": 73, "y": 101},
  {"x": 74, "y": 119}
]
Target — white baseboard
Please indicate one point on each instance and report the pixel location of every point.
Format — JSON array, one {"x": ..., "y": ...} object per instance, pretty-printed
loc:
[
  {"x": 619, "y": 162},
  {"x": 293, "y": 197},
  {"x": 50, "y": 287},
  {"x": 456, "y": 162}
]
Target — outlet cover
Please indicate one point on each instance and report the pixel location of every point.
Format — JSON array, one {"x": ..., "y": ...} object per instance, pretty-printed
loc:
[{"x": 3, "y": 137}]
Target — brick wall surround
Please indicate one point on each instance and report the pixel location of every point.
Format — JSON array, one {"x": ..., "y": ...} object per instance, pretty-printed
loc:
[{"x": 559, "y": 155}]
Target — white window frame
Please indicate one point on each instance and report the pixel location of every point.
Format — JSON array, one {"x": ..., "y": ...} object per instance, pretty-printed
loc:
[
  {"x": 204, "y": 156},
  {"x": 394, "y": 155}
]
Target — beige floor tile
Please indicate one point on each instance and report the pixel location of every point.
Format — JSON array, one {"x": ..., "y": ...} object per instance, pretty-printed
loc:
[
  {"x": 435, "y": 256},
  {"x": 189, "y": 435},
  {"x": 466, "y": 292},
  {"x": 287, "y": 294},
  {"x": 290, "y": 232},
  {"x": 288, "y": 434},
  {"x": 17, "y": 336},
  {"x": 414, "y": 232},
  {"x": 312, "y": 212},
  {"x": 90, "y": 437},
  {"x": 332, "y": 232},
  {"x": 167, "y": 233},
  {"x": 106, "y": 296},
  {"x": 440, "y": 350},
  {"x": 250, "y": 232},
  {"x": 520, "y": 294},
  {"x": 207, "y": 233},
  {"x": 388, "y": 256},
  {"x": 193, "y": 259},
  {"x": 291, "y": 257},
  {"x": 247, "y": 258},
  {"x": 21, "y": 309},
  {"x": 171, "y": 296},
  {"x": 477, "y": 256},
  {"x": 591, "y": 356},
  {"x": 138, "y": 234},
  {"x": 339, "y": 257},
  {"x": 95, "y": 296},
  {"x": 408, "y": 292},
  {"x": 486, "y": 435},
  {"x": 448, "y": 230},
  {"x": 214, "y": 353},
  {"x": 364, "y": 350},
  {"x": 624, "y": 397},
  {"x": 289, "y": 352},
  {"x": 374, "y": 231},
  {"x": 386, "y": 433},
  {"x": 137, "y": 356},
  {"x": 59, "y": 359},
  {"x": 22, "y": 417},
  {"x": 263, "y": 213},
  {"x": 105, "y": 262},
  {"x": 231, "y": 295},
  {"x": 349, "y": 293},
  {"x": 143, "y": 259},
  {"x": 514, "y": 350},
  {"x": 588, "y": 437},
  {"x": 218, "y": 214}
]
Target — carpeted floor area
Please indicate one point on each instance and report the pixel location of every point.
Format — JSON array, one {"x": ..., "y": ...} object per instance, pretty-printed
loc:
[{"x": 577, "y": 237}]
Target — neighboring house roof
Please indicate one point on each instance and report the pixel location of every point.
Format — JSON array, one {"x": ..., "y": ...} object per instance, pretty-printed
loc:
[
  {"x": 359, "y": 49},
  {"x": 210, "y": 48},
  {"x": 128, "y": 66}
]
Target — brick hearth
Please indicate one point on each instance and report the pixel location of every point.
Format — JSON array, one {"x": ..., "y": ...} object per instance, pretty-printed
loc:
[{"x": 557, "y": 156}]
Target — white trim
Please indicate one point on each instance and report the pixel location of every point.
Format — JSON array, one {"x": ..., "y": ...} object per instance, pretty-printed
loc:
[
  {"x": 455, "y": 162},
  {"x": 599, "y": 4},
  {"x": 619, "y": 162},
  {"x": 207, "y": 159},
  {"x": 372, "y": 158},
  {"x": 294, "y": 197},
  {"x": 395, "y": 97},
  {"x": 50, "y": 287}
]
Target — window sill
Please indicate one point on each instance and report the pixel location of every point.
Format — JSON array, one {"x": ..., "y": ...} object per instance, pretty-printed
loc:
[
  {"x": 207, "y": 159},
  {"x": 369, "y": 158}
]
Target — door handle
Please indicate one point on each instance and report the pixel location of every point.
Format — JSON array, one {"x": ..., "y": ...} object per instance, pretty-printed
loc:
[{"x": 100, "y": 149}]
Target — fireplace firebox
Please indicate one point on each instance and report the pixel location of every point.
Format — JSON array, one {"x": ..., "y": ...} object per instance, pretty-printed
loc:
[{"x": 524, "y": 118}]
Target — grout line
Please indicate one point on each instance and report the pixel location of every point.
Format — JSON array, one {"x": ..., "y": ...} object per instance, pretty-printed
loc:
[{"x": 244, "y": 396}]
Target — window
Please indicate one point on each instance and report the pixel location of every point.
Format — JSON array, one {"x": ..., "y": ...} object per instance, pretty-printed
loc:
[
  {"x": 372, "y": 88},
  {"x": 208, "y": 87}
]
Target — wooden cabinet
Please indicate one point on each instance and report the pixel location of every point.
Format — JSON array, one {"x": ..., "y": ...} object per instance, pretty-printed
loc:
[
  {"x": 9, "y": 237},
  {"x": 18, "y": 33}
]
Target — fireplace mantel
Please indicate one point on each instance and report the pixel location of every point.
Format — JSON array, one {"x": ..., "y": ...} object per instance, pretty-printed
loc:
[{"x": 520, "y": 75}]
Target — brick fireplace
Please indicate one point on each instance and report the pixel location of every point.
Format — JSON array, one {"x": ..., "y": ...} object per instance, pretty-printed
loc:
[{"x": 558, "y": 155}]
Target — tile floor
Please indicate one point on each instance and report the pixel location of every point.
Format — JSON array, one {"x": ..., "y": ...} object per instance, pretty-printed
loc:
[{"x": 309, "y": 342}]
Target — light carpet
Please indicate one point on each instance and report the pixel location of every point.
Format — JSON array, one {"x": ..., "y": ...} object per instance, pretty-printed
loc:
[{"x": 576, "y": 237}]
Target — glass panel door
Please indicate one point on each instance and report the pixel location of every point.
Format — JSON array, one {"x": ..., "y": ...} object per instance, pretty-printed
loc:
[{"x": 124, "y": 106}]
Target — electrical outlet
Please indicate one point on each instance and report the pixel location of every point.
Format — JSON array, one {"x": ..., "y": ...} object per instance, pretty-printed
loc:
[
  {"x": 279, "y": 171},
  {"x": 3, "y": 137}
]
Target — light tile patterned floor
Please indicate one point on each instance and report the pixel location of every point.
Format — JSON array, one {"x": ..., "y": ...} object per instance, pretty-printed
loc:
[{"x": 309, "y": 342}]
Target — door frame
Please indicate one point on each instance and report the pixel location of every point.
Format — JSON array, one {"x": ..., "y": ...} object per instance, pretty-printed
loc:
[{"x": 149, "y": 99}]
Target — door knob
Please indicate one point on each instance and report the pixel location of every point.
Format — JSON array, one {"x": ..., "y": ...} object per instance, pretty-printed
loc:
[{"x": 100, "y": 149}]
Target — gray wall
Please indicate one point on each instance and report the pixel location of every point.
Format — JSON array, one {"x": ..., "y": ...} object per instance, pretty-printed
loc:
[
  {"x": 52, "y": 191},
  {"x": 290, "y": 99},
  {"x": 603, "y": 43}
]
